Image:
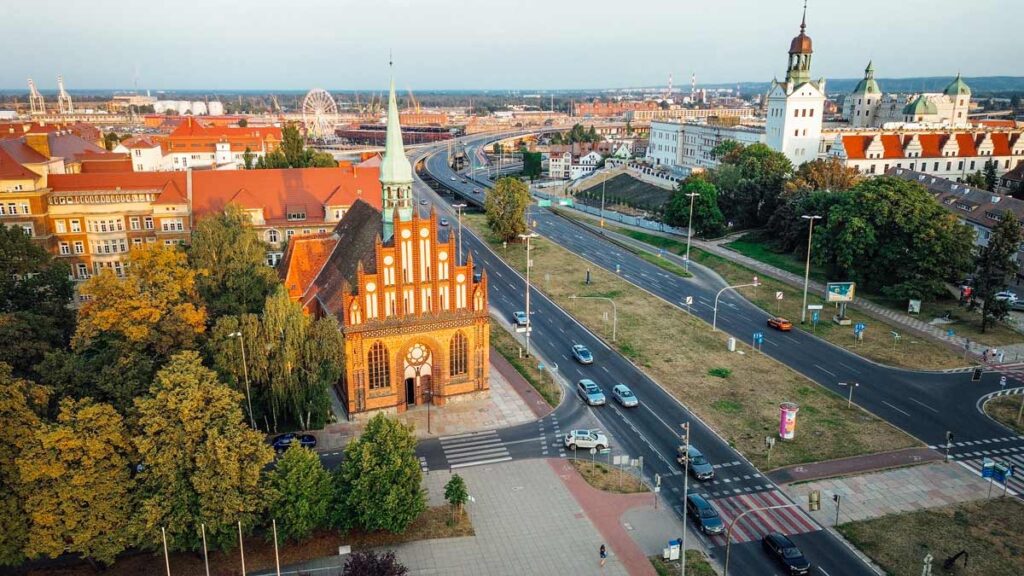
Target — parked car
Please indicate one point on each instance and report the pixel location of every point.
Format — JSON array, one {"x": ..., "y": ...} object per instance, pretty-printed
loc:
[
  {"x": 785, "y": 553},
  {"x": 624, "y": 396},
  {"x": 586, "y": 439},
  {"x": 1008, "y": 296},
  {"x": 582, "y": 354},
  {"x": 282, "y": 442},
  {"x": 444, "y": 221},
  {"x": 452, "y": 178},
  {"x": 780, "y": 323},
  {"x": 704, "y": 514},
  {"x": 699, "y": 466},
  {"x": 590, "y": 393},
  {"x": 519, "y": 317},
  {"x": 464, "y": 181},
  {"x": 476, "y": 190}
]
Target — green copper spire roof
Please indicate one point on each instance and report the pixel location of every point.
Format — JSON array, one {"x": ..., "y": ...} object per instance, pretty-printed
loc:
[
  {"x": 868, "y": 84},
  {"x": 957, "y": 87},
  {"x": 920, "y": 106},
  {"x": 394, "y": 166}
]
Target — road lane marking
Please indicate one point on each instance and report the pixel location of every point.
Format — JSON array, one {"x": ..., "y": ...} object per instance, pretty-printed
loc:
[
  {"x": 925, "y": 405},
  {"x": 855, "y": 371},
  {"x": 480, "y": 462},
  {"x": 894, "y": 408},
  {"x": 826, "y": 372}
]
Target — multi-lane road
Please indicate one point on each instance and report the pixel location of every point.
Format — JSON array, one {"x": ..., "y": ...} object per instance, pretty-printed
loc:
[{"x": 925, "y": 405}]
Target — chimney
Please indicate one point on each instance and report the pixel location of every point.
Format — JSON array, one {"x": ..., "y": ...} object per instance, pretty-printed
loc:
[{"x": 188, "y": 195}]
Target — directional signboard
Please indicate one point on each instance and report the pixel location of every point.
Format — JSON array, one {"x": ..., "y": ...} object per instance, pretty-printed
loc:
[
  {"x": 543, "y": 203},
  {"x": 565, "y": 201}
]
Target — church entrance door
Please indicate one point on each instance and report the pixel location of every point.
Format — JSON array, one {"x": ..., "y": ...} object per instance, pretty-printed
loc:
[{"x": 410, "y": 391}]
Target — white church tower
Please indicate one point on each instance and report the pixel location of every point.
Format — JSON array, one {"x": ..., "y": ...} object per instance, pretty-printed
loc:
[{"x": 793, "y": 124}]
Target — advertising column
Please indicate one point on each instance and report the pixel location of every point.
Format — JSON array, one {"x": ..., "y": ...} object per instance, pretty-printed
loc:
[{"x": 787, "y": 420}]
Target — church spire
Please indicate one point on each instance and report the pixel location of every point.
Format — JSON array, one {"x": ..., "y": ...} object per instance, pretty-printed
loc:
[
  {"x": 395, "y": 170},
  {"x": 803, "y": 21}
]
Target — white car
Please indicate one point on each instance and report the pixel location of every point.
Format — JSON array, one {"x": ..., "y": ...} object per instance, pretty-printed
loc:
[
  {"x": 1010, "y": 297},
  {"x": 586, "y": 439}
]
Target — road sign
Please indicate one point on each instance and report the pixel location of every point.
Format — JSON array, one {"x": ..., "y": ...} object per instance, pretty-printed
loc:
[
  {"x": 1002, "y": 381},
  {"x": 859, "y": 327},
  {"x": 543, "y": 203},
  {"x": 815, "y": 316},
  {"x": 606, "y": 450},
  {"x": 779, "y": 295},
  {"x": 565, "y": 202},
  {"x": 1001, "y": 473},
  {"x": 814, "y": 306},
  {"x": 988, "y": 468},
  {"x": 759, "y": 337},
  {"x": 593, "y": 450},
  {"x": 689, "y": 300},
  {"x": 950, "y": 332}
]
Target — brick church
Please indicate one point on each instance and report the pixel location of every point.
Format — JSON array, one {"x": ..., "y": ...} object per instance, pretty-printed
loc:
[{"x": 414, "y": 318}]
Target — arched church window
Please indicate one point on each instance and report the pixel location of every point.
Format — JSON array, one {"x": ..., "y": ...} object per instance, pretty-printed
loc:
[
  {"x": 457, "y": 355},
  {"x": 379, "y": 366}
]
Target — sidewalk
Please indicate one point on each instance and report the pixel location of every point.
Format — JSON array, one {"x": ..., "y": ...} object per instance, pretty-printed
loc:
[{"x": 854, "y": 465}]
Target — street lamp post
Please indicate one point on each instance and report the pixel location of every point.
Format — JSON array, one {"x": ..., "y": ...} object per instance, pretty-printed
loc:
[
  {"x": 615, "y": 311},
  {"x": 603, "y": 182},
  {"x": 245, "y": 370},
  {"x": 728, "y": 534},
  {"x": 689, "y": 230},
  {"x": 458, "y": 210},
  {"x": 807, "y": 268},
  {"x": 714, "y": 321},
  {"x": 529, "y": 322},
  {"x": 851, "y": 385},
  {"x": 686, "y": 487}
]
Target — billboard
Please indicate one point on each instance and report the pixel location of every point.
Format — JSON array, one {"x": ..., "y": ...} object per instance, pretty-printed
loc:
[{"x": 839, "y": 291}]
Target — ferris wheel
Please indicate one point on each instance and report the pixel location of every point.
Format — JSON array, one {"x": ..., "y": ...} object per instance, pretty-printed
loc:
[{"x": 319, "y": 114}]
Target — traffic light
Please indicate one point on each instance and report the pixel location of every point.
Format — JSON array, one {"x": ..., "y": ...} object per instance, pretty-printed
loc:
[
  {"x": 835, "y": 498},
  {"x": 949, "y": 437},
  {"x": 814, "y": 500}
]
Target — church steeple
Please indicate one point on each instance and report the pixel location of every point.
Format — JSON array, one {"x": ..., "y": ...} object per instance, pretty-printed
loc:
[
  {"x": 800, "y": 50},
  {"x": 395, "y": 171}
]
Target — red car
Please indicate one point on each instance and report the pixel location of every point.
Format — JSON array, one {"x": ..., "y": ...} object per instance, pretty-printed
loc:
[{"x": 780, "y": 324}]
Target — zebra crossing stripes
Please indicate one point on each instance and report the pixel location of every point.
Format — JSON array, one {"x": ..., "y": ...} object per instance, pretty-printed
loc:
[
  {"x": 756, "y": 524},
  {"x": 474, "y": 449},
  {"x": 1015, "y": 485}
]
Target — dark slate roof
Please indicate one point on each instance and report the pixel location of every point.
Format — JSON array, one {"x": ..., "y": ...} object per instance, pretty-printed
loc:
[
  {"x": 975, "y": 205},
  {"x": 357, "y": 235}
]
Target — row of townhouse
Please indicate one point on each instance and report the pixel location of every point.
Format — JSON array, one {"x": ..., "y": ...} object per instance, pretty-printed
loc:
[{"x": 194, "y": 145}]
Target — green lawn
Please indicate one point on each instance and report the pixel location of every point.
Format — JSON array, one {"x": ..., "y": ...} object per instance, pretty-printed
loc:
[{"x": 751, "y": 247}]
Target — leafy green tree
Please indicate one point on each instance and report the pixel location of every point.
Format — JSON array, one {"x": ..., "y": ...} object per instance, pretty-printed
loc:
[
  {"x": 155, "y": 308},
  {"x": 111, "y": 140},
  {"x": 456, "y": 494},
  {"x": 35, "y": 293},
  {"x": 247, "y": 158},
  {"x": 108, "y": 371},
  {"x": 990, "y": 176},
  {"x": 300, "y": 493},
  {"x": 707, "y": 218},
  {"x": 750, "y": 181},
  {"x": 293, "y": 153},
  {"x": 505, "y": 207},
  {"x": 531, "y": 164},
  {"x": 378, "y": 484},
  {"x": 995, "y": 266},
  {"x": 231, "y": 260},
  {"x": 202, "y": 462},
  {"x": 370, "y": 563},
  {"x": 829, "y": 175},
  {"x": 890, "y": 236},
  {"x": 727, "y": 151},
  {"x": 78, "y": 484},
  {"x": 976, "y": 179},
  {"x": 787, "y": 231},
  {"x": 291, "y": 358}
]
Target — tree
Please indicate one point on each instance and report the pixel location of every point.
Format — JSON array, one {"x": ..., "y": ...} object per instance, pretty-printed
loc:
[
  {"x": 21, "y": 402},
  {"x": 531, "y": 164},
  {"x": 707, "y": 218},
  {"x": 786, "y": 231},
  {"x": 35, "y": 293},
  {"x": 108, "y": 371},
  {"x": 829, "y": 175},
  {"x": 292, "y": 359},
  {"x": 203, "y": 464},
  {"x": 750, "y": 181},
  {"x": 78, "y": 484},
  {"x": 230, "y": 258},
  {"x": 505, "y": 206},
  {"x": 378, "y": 484},
  {"x": 996, "y": 264},
  {"x": 890, "y": 236},
  {"x": 247, "y": 158},
  {"x": 456, "y": 494},
  {"x": 292, "y": 153},
  {"x": 727, "y": 151},
  {"x": 976, "y": 179},
  {"x": 110, "y": 140},
  {"x": 155, "y": 308},
  {"x": 300, "y": 493},
  {"x": 369, "y": 563},
  {"x": 990, "y": 176}
]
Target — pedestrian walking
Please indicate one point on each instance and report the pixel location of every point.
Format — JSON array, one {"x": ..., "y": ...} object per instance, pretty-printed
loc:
[{"x": 604, "y": 555}]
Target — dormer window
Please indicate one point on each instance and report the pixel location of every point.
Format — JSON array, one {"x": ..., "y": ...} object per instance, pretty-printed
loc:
[{"x": 296, "y": 214}]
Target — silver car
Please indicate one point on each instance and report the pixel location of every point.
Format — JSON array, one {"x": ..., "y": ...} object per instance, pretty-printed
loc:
[{"x": 624, "y": 396}]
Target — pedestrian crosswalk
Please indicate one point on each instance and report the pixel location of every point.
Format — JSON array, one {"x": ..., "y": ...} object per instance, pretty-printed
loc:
[
  {"x": 754, "y": 525},
  {"x": 474, "y": 449},
  {"x": 1015, "y": 485}
]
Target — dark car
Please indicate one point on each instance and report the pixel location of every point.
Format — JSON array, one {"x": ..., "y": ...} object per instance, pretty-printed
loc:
[
  {"x": 699, "y": 466},
  {"x": 786, "y": 553},
  {"x": 283, "y": 441},
  {"x": 704, "y": 514}
]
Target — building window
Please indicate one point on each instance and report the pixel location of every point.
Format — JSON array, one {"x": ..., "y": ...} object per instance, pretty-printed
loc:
[
  {"x": 61, "y": 228},
  {"x": 25, "y": 208},
  {"x": 79, "y": 247},
  {"x": 272, "y": 236},
  {"x": 171, "y": 225},
  {"x": 134, "y": 223},
  {"x": 457, "y": 364},
  {"x": 76, "y": 226},
  {"x": 379, "y": 367},
  {"x": 65, "y": 249},
  {"x": 83, "y": 271},
  {"x": 148, "y": 222},
  {"x": 297, "y": 214}
]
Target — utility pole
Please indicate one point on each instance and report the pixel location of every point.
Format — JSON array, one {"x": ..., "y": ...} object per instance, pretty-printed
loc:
[
  {"x": 529, "y": 323},
  {"x": 245, "y": 370},
  {"x": 277, "y": 558},
  {"x": 241, "y": 546},
  {"x": 851, "y": 386},
  {"x": 686, "y": 486},
  {"x": 689, "y": 230},
  {"x": 458, "y": 209},
  {"x": 807, "y": 268}
]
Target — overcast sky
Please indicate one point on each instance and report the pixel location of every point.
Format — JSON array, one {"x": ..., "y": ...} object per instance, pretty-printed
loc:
[{"x": 475, "y": 44}]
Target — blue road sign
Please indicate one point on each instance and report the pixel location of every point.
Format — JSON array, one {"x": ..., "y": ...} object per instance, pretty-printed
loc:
[
  {"x": 859, "y": 327},
  {"x": 815, "y": 316},
  {"x": 950, "y": 332},
  {"x": 1001, "y": 473},
  {"x": 987, "y": 468},
  {"x": 759, "y": 337}
]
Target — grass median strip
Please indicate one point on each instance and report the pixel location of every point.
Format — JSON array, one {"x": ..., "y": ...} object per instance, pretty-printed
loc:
[
  {"x": 878, "y": 344},
  {"x": 696, "y": 565},
  {"x": 1007, "y": 411},
  {"x": 507, "y": 346},
  {"x": 989, "y": 530},
  {"x": 607, "y": 478},
  {"x": 740, "y": 401}
]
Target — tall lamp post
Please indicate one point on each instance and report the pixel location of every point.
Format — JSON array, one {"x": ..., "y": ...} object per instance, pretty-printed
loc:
[
  {"x": 714, "y": 321},
  {"x": 245, "y": 370},
  {"x": 615, "y": 311},
  {"x": 528, "y": 237},
  {"x": 458, "y": 210},
  {"x": 686, "y": 487},
  {"x": 807, "y": 268},
  {"x": 689, "y": 230}
]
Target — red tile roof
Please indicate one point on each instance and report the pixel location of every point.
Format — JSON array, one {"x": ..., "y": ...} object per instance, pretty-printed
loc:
[
  {"x": 931, "y": 144},
  {"x": 892, "y": 146},
  {"x": 1000, "y": 144},
  {"x": 171, "y": 194},
  {"x": 140, "y": 142},
  {"x": 304, "y": 259},
  {"x": 966, "y": 143},
  {"x": 10, "y": 168}
]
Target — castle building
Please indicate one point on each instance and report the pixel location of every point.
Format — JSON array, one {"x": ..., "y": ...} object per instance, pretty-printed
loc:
[
  {"x": 868, "y": 107},
  {"x": 794, "y": 113},
  {"x": 414, "y": 318}
]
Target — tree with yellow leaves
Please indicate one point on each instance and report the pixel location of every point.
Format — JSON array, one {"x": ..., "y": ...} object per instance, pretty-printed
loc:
[
  {"x": 21, "y": 402},
  {"x": 202, "y": 463},
  {"x": 155, "y": 307},
  {"x": 78, "y": 485}
]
